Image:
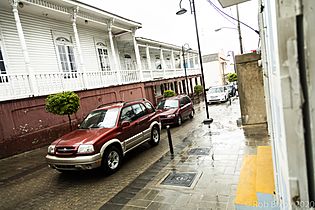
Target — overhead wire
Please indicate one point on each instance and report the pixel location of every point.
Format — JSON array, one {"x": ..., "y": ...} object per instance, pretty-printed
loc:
[{"x": 222, "y": 12}]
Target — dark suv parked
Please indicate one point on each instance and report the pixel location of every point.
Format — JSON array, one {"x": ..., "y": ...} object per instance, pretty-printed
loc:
[
  {"x": 175, "y": 109},
  {"x": 105, "y": 136}
]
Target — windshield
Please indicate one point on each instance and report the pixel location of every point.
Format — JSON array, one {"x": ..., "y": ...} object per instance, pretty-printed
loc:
[
  {"x": 168, "y": 104},
  {"x": 216, "y": 90},
  {"x": 101, "y": 119}
]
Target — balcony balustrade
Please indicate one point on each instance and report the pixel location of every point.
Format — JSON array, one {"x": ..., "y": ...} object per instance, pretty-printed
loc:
[{"x": 17, "y": 86}]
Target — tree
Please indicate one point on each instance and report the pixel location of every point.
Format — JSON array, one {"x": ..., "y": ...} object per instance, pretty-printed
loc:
[
  {"x": 231, "y": 77},
  {"x": 65, "y": 103},
  {"x": 198, "y": 89},
  {"x": 169, "y": 93}
]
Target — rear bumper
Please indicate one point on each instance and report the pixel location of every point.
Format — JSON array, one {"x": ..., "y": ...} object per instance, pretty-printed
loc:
[
  {"x": 74, "y": 163},
  {"x": 168, "y": 121}
]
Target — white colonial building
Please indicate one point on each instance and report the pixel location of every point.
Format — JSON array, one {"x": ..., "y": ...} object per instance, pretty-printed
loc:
[{"x": 50, "y": 46}]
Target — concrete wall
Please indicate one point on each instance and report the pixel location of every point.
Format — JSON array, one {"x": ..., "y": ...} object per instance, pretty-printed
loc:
[{"x": 251, "y": 89}]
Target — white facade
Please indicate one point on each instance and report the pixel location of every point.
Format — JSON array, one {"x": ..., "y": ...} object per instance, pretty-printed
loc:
[
  {"x": 214, "y": 69},
  {"x": 288, "y": 60},
  {"x": 52, "y": 46}
]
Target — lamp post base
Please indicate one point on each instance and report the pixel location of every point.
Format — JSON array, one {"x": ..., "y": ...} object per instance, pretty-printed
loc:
[{"x": 208, "y": 121}]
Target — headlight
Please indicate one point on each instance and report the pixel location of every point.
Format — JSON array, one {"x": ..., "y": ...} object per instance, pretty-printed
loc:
[
  {"x": 171, "y": 115},
  {"x": 51, "y": 149},
  {"x": 85, "y": 148}
]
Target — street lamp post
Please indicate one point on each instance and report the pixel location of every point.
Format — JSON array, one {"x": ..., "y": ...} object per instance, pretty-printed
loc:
[
  {"x": 185, "y": 68},
  {"x": 193, "y": 10}
]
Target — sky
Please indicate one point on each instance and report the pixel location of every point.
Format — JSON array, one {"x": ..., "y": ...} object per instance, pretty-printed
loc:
[{"x": 160, "y": 22}]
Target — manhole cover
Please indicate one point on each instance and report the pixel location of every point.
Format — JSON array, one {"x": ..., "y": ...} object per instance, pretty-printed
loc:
[
  {"x": 179, "y": 179},
  {"x": 199, "y": 151}
]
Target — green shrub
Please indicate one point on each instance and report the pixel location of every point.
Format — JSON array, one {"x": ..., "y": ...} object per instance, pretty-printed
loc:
[
  {"x": 231, "y": 77},
  {"x": 169, "y": 93},
  {"x": 65, "y": 103},
  {"x": 198, "y": 89}
]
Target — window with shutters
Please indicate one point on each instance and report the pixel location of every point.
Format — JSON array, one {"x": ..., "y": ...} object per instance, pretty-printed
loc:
[
  {"x": 66, "y": 55},
  {"x": 102, "y": 52}
]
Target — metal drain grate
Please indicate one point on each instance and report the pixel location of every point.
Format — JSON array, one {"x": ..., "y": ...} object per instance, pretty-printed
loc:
[
  {"x": 199, "y": 151},
  {"x": 179, "y": 179}
]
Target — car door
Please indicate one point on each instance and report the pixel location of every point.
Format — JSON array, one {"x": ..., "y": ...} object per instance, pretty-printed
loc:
[
  {"x": 183, "y": 107},
  {"x": 129, "y": 135},
  {"x": 189, "y": 105},
  {"x": 143, "y": 121}
]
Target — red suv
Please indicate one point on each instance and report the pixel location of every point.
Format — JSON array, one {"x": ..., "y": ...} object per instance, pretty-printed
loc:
[
  {"x": 105, "y": 136},
  {"x": 175, "y": 109}
]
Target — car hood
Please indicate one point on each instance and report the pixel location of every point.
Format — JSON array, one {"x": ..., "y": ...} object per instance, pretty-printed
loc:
[
  {"x": 165, "y": 112},
  {"x": 216, "y": 94},
  {"x": 82, "y": 136}
]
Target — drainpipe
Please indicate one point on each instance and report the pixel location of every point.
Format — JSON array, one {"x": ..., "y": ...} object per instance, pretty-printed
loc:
[{"x": 31, "y": 78}]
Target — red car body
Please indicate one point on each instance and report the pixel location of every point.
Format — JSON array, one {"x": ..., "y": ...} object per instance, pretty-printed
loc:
[
  {"x": 105, "y": 136},
  {"x": 174, "y": 110}
]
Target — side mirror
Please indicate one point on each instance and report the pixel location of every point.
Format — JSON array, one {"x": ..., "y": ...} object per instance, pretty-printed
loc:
[{"x": 125, "y": 124}]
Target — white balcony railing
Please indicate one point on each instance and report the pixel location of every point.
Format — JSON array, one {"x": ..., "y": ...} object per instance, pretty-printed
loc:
[{"x": 16, "y": 86}]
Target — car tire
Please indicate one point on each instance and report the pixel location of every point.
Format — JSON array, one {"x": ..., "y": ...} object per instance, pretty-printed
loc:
[
  {"x": 192, "y": 113},
  {"x": 179, "y": 120},
  {"x": 112, "y": 159},
  {"x": 155, "y": 136}
]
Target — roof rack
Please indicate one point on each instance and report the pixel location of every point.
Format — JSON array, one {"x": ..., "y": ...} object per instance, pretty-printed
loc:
[
  {"x": 139, "y": 99},
  {"x": 109, "y": 103}
]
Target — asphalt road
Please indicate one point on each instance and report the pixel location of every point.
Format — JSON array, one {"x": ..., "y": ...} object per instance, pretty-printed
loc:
[{"x": 40, "y": 187}]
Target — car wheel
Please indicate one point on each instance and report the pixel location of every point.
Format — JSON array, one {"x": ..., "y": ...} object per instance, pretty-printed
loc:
[
  {"x": 192, "y": 114},
  {"x": 155, "y": 136},
  {"x": 179, "y": 120},
  {"x": 111, "y": 160}
]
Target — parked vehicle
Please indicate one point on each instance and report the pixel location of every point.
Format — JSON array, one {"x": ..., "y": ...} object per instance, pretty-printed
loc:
[
  {"x": 175, "y": 109},
  {"x": 217, "y": 94},
  {"x": 231, "y": 90},
  {"x": 105, "y": 136}
]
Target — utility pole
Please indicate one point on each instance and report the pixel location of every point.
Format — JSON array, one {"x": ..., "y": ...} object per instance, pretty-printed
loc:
[{"x": 239, "y": 29}]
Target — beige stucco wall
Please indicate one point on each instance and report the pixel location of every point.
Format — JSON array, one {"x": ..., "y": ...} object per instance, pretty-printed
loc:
[{"x": 251, "y": 90}]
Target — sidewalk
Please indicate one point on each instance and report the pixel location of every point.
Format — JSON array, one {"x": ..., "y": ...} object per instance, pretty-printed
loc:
[{"x": 203, "y": 174}]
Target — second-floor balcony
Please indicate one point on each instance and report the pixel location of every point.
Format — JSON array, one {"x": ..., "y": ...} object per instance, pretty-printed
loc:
[{"x": 15, "y": 86}]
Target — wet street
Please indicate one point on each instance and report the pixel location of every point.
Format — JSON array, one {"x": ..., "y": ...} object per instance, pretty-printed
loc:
[{"x": 205, "y": 170}]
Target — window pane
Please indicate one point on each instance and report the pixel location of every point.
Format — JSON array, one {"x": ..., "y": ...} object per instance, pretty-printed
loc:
[
  {"x": 2, "y": 68},
  {"x": 103, "y": 58},
  {"x": 1, "y": 58}
]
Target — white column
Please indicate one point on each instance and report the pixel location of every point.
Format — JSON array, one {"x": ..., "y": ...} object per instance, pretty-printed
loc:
[
  {"x": 162, "y": 62},
  {"x": 181, "y": 60},
  {"x": 149, "y": 60},
  {"x": 112, "y": 47},
  {"x": 194, "y": 60},
  {"x": 173, "y": 59},
  {"x": 78, "y": 45},
  {"x": 138, "y": 59},
  {"x": 188, "y": 61},
  {"x": 32, "y": 79}
]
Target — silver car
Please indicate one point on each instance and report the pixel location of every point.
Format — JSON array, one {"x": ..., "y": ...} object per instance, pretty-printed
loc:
[{"x": 217, "y": 94}]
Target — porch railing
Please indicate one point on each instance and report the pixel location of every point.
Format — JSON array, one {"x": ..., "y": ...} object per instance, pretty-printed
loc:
[{"x": 16, "y": 86}]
